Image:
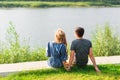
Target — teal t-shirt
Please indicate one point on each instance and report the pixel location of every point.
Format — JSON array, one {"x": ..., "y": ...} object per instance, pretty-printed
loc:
[{"x": 81, "y": 48}]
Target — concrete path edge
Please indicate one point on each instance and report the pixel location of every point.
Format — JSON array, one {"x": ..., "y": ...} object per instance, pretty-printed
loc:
[{"x": 6, "y": 69}]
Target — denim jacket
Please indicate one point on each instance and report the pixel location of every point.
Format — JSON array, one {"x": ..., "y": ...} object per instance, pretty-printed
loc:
[{"x": 56, "y": 53}]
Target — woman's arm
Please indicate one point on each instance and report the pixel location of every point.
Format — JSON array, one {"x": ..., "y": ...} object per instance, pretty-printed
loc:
[
  {"x": 64, "y": 57},
  {"x": 48, "y": 50}
]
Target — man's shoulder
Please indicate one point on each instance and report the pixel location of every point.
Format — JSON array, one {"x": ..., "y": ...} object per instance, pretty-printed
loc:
[
  {"x": 87, "y": 40},
  {"x": 74, "y": 41}
]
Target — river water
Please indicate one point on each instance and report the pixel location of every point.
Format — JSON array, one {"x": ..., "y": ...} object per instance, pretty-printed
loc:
[{"x": 39, "y": 24}]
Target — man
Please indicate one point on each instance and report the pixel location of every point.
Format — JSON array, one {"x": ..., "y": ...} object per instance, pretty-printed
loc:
[{"x": 81, "y": 48}]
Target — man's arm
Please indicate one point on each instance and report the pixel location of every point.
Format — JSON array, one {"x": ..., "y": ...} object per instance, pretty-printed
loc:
[
  {"x": 72, "y": 53},
  {"x": 93, "y": 60}
]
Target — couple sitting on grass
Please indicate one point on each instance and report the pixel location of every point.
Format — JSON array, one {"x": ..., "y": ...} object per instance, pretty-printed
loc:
[{"x": 80, "y": 49}]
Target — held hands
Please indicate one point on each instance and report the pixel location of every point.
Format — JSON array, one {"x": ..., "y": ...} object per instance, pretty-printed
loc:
[{"x": 66, "y": 66}]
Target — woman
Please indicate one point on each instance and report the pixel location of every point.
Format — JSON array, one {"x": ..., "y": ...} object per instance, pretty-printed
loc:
[{"x": 56, "y": 50}]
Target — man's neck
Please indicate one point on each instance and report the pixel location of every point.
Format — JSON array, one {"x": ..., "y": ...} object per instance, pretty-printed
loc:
[{"x": 79, "y": 38}]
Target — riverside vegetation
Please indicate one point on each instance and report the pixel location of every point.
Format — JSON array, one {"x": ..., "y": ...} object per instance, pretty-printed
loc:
[
  {"x": 105, "y": 41},
  {"x": 14, "y": 50}
]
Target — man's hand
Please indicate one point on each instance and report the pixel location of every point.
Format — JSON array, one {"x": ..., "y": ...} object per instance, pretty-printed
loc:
[
  {"x": 97, "y": 69},
  {"x": 66, "y": 66}
]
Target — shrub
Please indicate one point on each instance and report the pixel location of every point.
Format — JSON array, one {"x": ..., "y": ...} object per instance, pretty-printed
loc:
[
  {"x": 105, "y": 42},
  {"x": 12, "y": 51}
]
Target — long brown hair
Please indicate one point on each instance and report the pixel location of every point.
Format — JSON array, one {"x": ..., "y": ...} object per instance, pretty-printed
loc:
[{"x": 60, "y": 37}]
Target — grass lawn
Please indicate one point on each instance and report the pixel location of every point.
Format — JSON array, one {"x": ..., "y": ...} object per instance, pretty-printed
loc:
[{"x": 108, "y": 72}]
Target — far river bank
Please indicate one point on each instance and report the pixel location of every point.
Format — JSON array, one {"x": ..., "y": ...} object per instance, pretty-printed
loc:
[{"x": 40, "y": 4}]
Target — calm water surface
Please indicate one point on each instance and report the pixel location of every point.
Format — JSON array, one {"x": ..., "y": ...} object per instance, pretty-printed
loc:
[{"x": 39, "y": 24}]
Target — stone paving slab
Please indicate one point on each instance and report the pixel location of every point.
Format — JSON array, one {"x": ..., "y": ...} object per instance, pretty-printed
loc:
[{"x": 6, "y": 69}]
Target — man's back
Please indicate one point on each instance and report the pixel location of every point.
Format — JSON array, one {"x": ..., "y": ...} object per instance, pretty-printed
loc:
[{"x": 81, "y": 48}]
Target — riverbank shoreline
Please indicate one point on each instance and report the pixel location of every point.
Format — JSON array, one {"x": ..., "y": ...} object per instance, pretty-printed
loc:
[{"x": 40, "y": 4}]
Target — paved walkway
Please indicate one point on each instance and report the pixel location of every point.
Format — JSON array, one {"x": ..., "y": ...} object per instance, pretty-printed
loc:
[{"x": 6, "y": 69}]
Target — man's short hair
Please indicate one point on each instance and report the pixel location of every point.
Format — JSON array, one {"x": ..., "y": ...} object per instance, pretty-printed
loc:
[{"x": 79, "y": 31}]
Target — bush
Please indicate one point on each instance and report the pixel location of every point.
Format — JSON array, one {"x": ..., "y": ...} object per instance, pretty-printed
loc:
[
  {"x": 105, "y": 43},
  {"x": 12, "y": 51}
]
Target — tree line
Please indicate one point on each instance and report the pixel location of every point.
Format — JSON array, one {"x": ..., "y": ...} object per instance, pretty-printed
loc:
[
  {"x": 65, "y": 0},
  {"x": 103, "y": 1}
]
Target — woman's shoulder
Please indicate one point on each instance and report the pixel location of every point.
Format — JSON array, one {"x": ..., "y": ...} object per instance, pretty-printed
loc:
[
  {"x": 50, "y": 42},
  {"x": 55, "y": 43},
  {"x": 62, "y": 45}
]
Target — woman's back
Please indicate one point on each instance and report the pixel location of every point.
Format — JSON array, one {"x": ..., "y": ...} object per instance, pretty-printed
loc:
[{"x": 57, "y": 53}]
